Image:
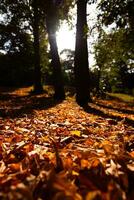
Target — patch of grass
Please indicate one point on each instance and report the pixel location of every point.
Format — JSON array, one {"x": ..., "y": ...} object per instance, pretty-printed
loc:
[{"x": 123, "y": 97}]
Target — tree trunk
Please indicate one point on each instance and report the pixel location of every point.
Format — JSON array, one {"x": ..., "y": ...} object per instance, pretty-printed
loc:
[
  {"x": 37, "y": 70},
  {"x": 56, "y": 65},
  {"x": 98, "y": 90},
  {"x": 81, "y": 56}
]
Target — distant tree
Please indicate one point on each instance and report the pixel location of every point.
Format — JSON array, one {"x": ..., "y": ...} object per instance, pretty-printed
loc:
[
  {"x": 67, "y": 61},
  {"x": 102, "y": 57}
]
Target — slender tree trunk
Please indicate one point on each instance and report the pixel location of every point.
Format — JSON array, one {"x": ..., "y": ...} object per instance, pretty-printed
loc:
[
  {"x": 81, "y": 56},
  {"x": 37, "y": 70},
  {"x": 56, "y": 65},
  {"x": 98, "y": 90}
]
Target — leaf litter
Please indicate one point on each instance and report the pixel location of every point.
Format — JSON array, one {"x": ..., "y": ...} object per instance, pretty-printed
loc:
[{"x": 63, "y": 152}]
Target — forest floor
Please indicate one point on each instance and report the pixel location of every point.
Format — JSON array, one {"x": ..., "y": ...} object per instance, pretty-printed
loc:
[{"x": 59, "y": 151}]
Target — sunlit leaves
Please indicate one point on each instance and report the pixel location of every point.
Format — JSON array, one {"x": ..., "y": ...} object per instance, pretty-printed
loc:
[{"x": 65, "y": 153}]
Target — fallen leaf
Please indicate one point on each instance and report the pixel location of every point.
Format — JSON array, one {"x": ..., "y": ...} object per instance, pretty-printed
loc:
[
  {"x": 76, "y": 133},
  {"x": 84, "y": 163},
  {"x": 132, "y": 154},
  {"x": 93, "y": 195},
  {"x": 130, "y": 166}
]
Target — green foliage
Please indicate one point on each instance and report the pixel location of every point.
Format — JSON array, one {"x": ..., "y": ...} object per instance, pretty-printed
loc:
[
  {"x": 119, "y": 11},
  {"x": 15, "y": 24},
  {"x": 114, "y": 51},
  {"x": 115, "y": 59},
  {"x": 17, "y": 39}
]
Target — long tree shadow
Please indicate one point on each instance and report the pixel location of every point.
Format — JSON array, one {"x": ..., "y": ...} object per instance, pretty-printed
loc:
[
  {"x": 125, "y": 111},
  {"x": 96, "y": 111},
  {"x": 13, "y": 106},
  {"x": 6, "y": 90}
]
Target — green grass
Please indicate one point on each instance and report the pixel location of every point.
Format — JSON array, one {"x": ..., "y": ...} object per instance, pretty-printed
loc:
[{"x": 122, "y": 97}]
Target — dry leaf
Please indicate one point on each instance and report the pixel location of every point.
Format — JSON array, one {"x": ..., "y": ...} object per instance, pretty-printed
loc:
[
  {"x": 76, "y": 133},
  {"x": 94, "y": 195}
]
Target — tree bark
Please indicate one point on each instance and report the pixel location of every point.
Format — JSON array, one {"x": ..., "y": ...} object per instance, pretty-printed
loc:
[
  {"x": 37, "y": 70},
  {"x": 81, "y": 69},
  {"x": 56, "y": 65}
]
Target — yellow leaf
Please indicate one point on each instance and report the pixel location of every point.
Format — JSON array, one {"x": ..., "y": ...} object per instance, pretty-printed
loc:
[
  {"x": 75, "y": 173},
  {"x": 77, "y": 133}
]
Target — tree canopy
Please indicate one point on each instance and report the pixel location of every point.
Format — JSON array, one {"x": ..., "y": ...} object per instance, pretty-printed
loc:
[{"x": 114, "y": 50}]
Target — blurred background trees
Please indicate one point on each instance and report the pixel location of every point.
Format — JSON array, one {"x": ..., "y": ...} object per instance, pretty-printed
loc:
[{"x": 114, "y": 50}]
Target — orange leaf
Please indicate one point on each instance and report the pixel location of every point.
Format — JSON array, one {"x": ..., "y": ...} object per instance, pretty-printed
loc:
[
  {"x": 95, "y": 163},
  {"x": 84, "y": 163},
  {"x": 132, "y": 154},
  {"x": 68, "y": 163},
  {"x": 15, "y": 167}
]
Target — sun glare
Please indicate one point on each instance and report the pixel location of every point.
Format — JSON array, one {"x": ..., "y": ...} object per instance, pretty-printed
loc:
[{"x": 65, "y": 38}]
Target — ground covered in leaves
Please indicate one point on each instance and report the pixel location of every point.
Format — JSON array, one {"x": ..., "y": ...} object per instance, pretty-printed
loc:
[{"x": 59, "y": 151}]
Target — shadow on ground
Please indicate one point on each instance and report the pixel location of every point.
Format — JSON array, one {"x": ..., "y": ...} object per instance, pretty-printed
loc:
[
  {"x": 96, "y": 111},
  {"x": 12, "y": 106},
  {"x": 122, "y": 110}
]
